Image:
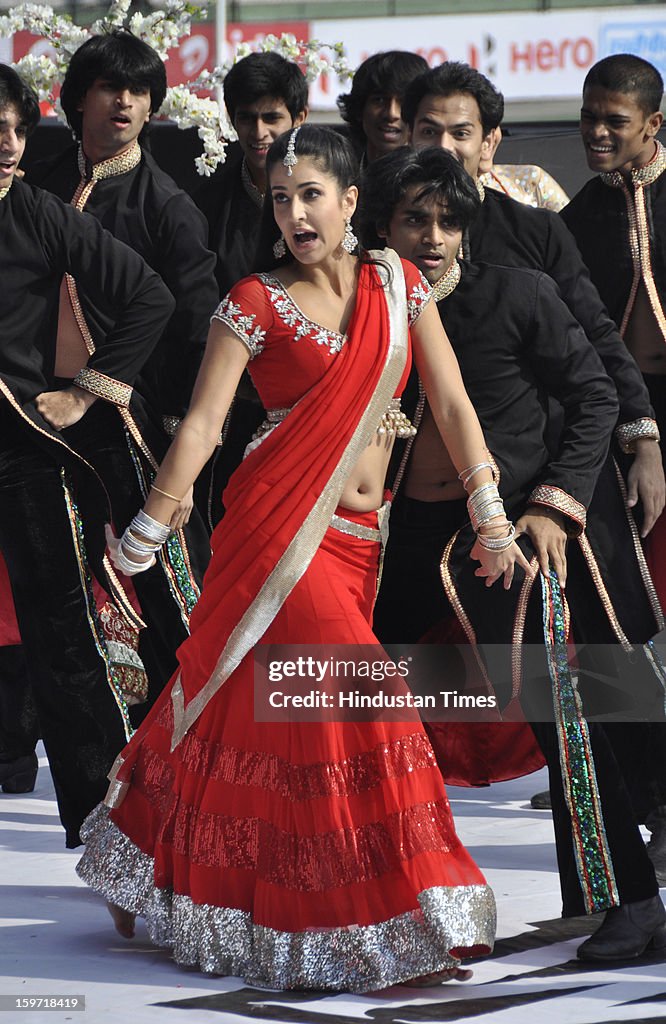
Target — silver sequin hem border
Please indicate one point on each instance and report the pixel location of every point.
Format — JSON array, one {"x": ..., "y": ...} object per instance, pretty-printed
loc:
[{"x": 225, "y": 941}]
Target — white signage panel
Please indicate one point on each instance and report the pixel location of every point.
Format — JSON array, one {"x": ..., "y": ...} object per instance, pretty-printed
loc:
[{"x": 528, "y": 56}]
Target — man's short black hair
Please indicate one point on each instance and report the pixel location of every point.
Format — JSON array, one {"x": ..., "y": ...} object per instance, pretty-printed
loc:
[
  {"x": 626, "y": 74},
  {"x": 117, "y": 57},
  {"x": 383, "y": 74},
  {"x": 455, "y": 77},
  {"x": 14, "y": 92},
  {"x": 434, "y": 171},
  {"x": 265, "y": 74}
]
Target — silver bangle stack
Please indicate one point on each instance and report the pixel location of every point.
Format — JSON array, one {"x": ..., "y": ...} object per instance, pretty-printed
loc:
[
  {"x": 485, "y": 506},
  {"x": 155, "y": 532},
  {"x": 498, "y": 543},
  {"x": 468, "y": 473}
]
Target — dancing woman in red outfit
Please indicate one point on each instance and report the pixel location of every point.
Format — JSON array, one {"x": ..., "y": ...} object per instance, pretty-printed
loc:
[{"x": 299, "y": 855}]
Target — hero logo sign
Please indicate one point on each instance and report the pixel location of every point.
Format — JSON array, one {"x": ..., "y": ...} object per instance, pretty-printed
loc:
[{"x": 550, "y": 55}]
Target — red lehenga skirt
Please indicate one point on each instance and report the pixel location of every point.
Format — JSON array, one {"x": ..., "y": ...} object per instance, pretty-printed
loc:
[{"x": 316, "y": 855}]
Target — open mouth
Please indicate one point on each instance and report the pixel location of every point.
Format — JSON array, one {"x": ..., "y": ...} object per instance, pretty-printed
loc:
[
  {"x": 430, "y": 259},
  {"x": 601, "y": 150},
  {"x": 305, "y": 237},
  {"x": 7, "y": 166},
  {"x": 121, "y": 120}
]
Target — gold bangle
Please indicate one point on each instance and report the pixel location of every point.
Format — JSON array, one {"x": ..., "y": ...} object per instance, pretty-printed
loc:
[{"x": 165, "y": 493}]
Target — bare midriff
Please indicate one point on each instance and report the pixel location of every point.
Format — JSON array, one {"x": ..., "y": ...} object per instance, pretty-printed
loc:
[
  {"x": 643, "y": 336},
  {"x": 364, "y": 490},
  {"x": 71, "y": 351},
  {"x": 431, "y": 475}
]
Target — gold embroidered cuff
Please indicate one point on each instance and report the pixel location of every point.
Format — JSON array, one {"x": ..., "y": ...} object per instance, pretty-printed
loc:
[
  {"x": 554, "y": 497},
  {"x": 172, "y": 423},
  {"x": 628, "y": 433},
  {"x": 104, "y": 387}
]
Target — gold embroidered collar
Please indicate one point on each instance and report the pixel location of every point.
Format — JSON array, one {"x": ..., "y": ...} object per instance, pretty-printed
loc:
[
  {"x": 447, "y": 282},
  {"x": 4, "y": 191},
  {"x": 110, "y": 168},
  {"x": 480, "y": 188},
  {"x": 644, "y": 175},
  {"x": 255, "y": 194}
]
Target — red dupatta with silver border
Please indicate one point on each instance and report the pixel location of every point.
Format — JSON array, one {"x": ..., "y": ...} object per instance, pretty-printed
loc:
[{"x": 281, "y": 499}]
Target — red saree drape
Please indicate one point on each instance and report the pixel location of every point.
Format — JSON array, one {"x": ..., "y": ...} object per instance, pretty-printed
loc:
[{"x": 281, "y": 499}]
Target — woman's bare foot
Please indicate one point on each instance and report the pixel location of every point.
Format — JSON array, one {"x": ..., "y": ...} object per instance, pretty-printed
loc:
[
  {"x": 439, "y": 977},
  {"x": 123, "y": 920}
]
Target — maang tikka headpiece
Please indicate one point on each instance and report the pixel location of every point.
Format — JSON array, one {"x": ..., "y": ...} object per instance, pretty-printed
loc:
[{"x": 290, "y": 158}]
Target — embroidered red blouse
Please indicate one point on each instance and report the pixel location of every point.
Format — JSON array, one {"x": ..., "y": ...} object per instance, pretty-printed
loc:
[{"x": 294, "y": 351}]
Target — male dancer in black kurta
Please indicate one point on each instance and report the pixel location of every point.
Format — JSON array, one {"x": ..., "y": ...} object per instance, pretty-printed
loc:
[
  {"x": 518, "y": 345},
  {"x": 265, "y": 95},
  {"x": 619, "y": 220},
  {"x": 112, "y": 85},
  {"x": 53, "y": 505}
]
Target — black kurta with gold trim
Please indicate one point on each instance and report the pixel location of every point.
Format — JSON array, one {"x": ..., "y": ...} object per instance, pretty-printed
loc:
[
  {"x": 511, "y": 234},
  {"x": 524, "y": 349},
  {"x": 619, "y": 225},
  {"x": 144, "y": 208},
  {"x": 42, "y": 239}
]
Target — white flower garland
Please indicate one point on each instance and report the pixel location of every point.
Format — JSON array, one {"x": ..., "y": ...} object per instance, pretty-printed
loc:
[
  {"x": 162, "y": 30},
  {"x": 314, "y": 57}
]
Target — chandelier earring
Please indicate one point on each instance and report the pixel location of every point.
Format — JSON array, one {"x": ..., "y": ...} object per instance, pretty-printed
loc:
[
  {"x": 280, "y": 248},
  {"x": 349, "y": 241}
]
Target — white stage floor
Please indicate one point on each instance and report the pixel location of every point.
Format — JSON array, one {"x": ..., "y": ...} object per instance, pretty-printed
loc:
[{"x": 56, "y": 939}]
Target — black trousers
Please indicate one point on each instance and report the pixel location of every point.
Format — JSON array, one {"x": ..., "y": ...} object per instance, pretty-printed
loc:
[
  {"x": 19, "y": 724},
  {"x": 412, "y": 600},
  {"x": 36, "y": 540},
  {"x": 79, "y": 718}
]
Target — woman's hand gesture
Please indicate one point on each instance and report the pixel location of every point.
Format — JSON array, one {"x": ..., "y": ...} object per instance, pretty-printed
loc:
[{"x": 495, "y": 564}]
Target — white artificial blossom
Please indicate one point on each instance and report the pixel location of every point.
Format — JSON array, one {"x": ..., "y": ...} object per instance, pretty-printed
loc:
[
  {"x": 314, "y": 57},
  {"x": 162, "y": 30}
]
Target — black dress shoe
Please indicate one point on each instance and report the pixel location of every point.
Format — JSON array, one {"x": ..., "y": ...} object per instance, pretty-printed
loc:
[
  {"x": 19, "y": 776},
  {"x": 628, "y": 931},
  {"x": 656, "y": 848},
  {"x": 541, "y": 801}
]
